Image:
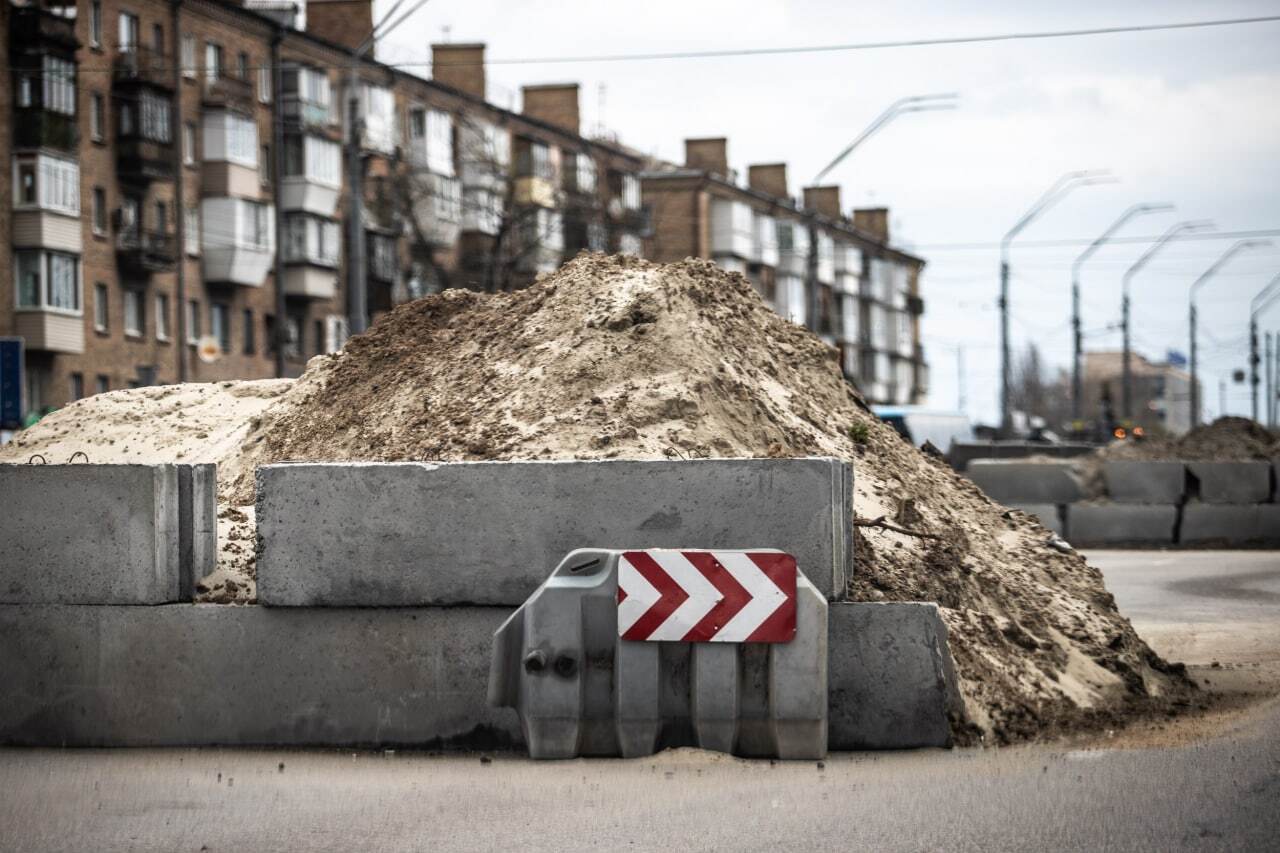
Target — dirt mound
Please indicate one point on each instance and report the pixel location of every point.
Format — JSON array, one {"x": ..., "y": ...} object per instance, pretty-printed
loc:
[
  {"x": 1228, "y": 439},
  {"x": 623, "y": 358}
]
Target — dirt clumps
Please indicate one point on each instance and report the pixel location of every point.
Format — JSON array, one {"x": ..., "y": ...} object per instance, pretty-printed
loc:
[{"x": 1228, "y": 439}]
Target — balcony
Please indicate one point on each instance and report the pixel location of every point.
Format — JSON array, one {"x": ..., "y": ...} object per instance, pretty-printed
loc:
[
  {"x": 38, "y": 128},
  {"x": 141, "y": 161},
  {"x": 146, "y": 252},
  {"x": 144, "y": 66},
  {"x": 33, "y": 28},
  {"x": 50, "y": 331},
  {"x": 229, "y": 93}
]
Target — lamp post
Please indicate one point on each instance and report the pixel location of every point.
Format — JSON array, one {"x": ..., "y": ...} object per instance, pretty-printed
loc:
[
  {"x": 1077, "y": 390},
  {"x": 1191, "y": 315},
  {"x": 1264, "y": 298},
  {"x": 1065, "y": 184},
  {"x": 1174, "y": 232}
]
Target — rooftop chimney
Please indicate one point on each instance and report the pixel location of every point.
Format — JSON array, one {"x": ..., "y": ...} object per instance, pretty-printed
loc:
[
  {"x": 711, "y": 154},
  {"x": 459, "y": 66},
  {"x": 874, "y": 221},
  {"x": 769, "y": 178},
  {"x": 344, "y": 22},
  {"x": 825, "y": 200},
  {"x": 554, "y": 103},
  {"x": 283, "y": 12}
]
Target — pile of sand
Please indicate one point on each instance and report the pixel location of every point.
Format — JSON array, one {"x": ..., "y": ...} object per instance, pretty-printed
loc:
[
  {"x": 613, "y": 357},
  {"x": 1228, "y": 439}
]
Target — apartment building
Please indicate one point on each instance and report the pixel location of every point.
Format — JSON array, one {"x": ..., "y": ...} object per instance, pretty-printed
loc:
[
  {"x": 1161, "y": 393},
  {"x": 834, "y": 273},
  {"x": 180, "y": 203}
]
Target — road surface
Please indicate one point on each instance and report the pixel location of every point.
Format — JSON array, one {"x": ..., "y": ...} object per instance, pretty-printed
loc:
[{"x": 1156, "y": 790}]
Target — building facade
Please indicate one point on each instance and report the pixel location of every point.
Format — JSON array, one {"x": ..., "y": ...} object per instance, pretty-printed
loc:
[
  {"x": 1161, "y": 393},
  {"x": 837, "y": 274}
]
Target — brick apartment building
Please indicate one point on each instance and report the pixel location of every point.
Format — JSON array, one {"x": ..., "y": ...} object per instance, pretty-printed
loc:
[
  {"x": 834, "y": 273},
  {"x": 159, "y": 152}
]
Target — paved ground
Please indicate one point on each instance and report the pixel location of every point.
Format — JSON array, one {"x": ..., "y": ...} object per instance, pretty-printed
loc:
[{"x": 1158, "y": 789}]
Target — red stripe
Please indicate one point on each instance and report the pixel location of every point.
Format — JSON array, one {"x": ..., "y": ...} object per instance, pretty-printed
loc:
[
  {"x": 779, "y": 626},
  {"x": 622, "y": 594},
  {"x": 673, "y": 595},
  {"x": 735, "y": 595}
]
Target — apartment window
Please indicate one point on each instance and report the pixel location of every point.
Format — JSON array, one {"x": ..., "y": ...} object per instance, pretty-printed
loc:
[
  {"x": 264, "y": 84},
  {"x": 378, "y": 108},
  {"x": 162, "y": 316},
  {"x": 213, "y": 67},
  {"x": 310, "y": 239},
  {"x": 232, "y": 137},
  {"x": 293, "y": 336},
  {"x": 237, "y": 222},
  {"x": 188, "y": 55},
  {"x": 630, "y": 192},
  {"x": 59, "y": 85},
  {"x": 99, "y": 211},
  {"x": 307, "y": 94},
  {"x": 162, "y": 216},
  {"x": 584, "y": 173},
  {"x": 264, "y": 169},
  {"x": 191, "y": 231},
  {"x": 103, "y": 384},
  {"x": 313, "y": 158},
  {"x": 47, "y": 182},
  {"x": 155, "y": 116},
  {"x": 249, "y": 346},
  {"x": 128, "y": 32},
  {"x": 95, "y": 23},
  {"x": 77, "y": 386},
  {"x": 431, "y": 140},
  {"x": 220, "y": 325},
  {"x": 47, "y": 280},
  {"x": 193, "y": 322},
  {"x": 134, "y": 321},
  {"x": 319, "y": 333},
  {"x": 157, "y": 38},
  {"x": 382, "y": 257},
  {"x": 255, "y": 222},
  {"x": 242, "y": 66},
  {"x": 26, "y": 91},
  {"x": 100, "y": 306},
  {"x": 534, "y": 160},
  {"x": 189, "y": 143},
  {"x": 97, "y": 117}
]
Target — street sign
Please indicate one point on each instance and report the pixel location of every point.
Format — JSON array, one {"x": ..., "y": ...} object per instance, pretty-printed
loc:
[
  {"x": 707, "y": 596},
  {"x": 11, "y": 383}
]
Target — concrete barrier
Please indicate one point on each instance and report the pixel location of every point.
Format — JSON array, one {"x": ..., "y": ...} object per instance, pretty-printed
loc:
[
  {"x": 105, "y": 534},
  {"x": 891, "y": 681},
  {"x": 187, "y": 674},
  {"x": 1121, "y": 524},
  {"x": 1232, "y": 482},
  {"x": 1049, "y": 515},
  {"x": 962, "y": 453},
  {"x": 1146, "y": 482},
  {"x": 1230, "y": 524},
  {"x": 1026, "y": 482},
  {"x": 399, "y": 534}
]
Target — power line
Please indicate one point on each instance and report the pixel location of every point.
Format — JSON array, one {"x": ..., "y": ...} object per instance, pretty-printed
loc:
[{"x": 1084, "y": 241}]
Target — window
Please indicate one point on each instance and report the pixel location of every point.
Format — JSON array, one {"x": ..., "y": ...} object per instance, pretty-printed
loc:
[
  {"x": 47, "y": 182},
  {"x": 134, "y": 322},
  {"x": 157, "y": 38},
  {"x": 314, "y": 159},
  {"x": 249, "y": 347},
  {"x": 162, "y": 316},
  {"x": 306, "y": 94},
  {"x": 188, "y": 55},
  {"x": 264, "y": 170},
  {"x": 293, "y": 336},
  {"x": 103, "y": 384},
  {"x": 232, "y": 137},
  {"x": 126, "y": 123},
  {"x": 189, "y": 143},
  {"x": 584, "y": 173},
  {"x": 237, "y": 223},
  {"x": 154, "y": 109},
  {"x": 95, "y": 23},
  {"x": 319, "y": 332},
  {"x": 255, "y": 221},
  {"x": 162, "y": 216},
  {"x": 100, "y": 306},
  {"x": 59, "y": 85},
  {"x": 97, "y": 116},
  {"x": 431, "y": 140},
  {"x": 378, "y": 108},
  {"x": 310, "y": 239},
  {"x": 99, "y": 211},
  {"x": 220, "y": 325},
  {"x": 26, "y": 89},
  {"x": 48, "y": 280},
  {"x": 191, "y": 231},
  {"x": 630, "y": 192},
  {"x": 128, "y": 34},
  {"x": 534, "y": 160},
  {"x": 213, "y": 68},
  {"x": 26, "y": 183},
  {"x": 382, "y": 257},
  {"x": 242, "y": 66},
  {"x": 193, "y": 322},
  {"x": 77, "y": 386}
]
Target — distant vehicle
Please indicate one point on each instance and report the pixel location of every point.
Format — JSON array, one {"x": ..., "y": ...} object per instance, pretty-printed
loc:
[{"x": 917, "y": 425}]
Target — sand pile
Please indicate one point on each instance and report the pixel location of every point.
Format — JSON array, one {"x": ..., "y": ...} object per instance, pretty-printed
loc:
[
  {"x": 624, "y": 358},
  {"x": 1228, "y": 439}
]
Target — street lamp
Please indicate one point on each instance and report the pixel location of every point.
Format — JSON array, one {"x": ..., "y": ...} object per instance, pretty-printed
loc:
[
  {"x": 910, "y": 104},
  {"x": 1174, "y": 232},
  {"x": 1077, "y": 338},
  {"x": 1191, "y": 300},
  {"x": 1065, "y": 184},
  {"x": 1264, "y": 298}
]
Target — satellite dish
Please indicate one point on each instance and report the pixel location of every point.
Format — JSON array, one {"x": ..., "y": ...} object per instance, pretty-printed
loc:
[{"x": 208, "y": 349}]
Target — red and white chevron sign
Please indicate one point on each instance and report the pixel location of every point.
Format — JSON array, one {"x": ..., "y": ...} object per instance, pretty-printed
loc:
[{"x": 707, "y": 596}]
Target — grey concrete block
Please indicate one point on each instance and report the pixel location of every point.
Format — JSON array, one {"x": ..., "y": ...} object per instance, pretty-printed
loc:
[
  {"x": 1232, "y": 482},
  {"x": 101, "y": 534},
  {"x": 962, "y": 454},
  {"x": 1026, "y": 482},
  {"x": 188, "y": 674},
  {"x": 1121, "y": 524},
  {"x": 198, "y": 510},
  {"x": 891, "y": 681},
  {"x": 402, "y": 534},
  {"x": 1230, "y": 524},
  {"x": 1049, "y": 515},
  {"x": 1146, "y": 482}
]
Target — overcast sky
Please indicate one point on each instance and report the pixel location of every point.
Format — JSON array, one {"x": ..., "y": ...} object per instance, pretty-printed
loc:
[{"x": 1188, "y": 117}]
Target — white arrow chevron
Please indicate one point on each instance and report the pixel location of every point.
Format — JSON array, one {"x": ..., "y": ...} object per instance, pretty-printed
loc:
[
  {"x": 702, "y": 596},
  {"x": 765, "y": 597},
  {"x": 640, "y": 595}
]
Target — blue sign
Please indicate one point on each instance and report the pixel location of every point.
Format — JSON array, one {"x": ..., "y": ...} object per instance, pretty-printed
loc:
[
  {"x": 10, "y": 383},
  {"x": 1175, "y": 358}
]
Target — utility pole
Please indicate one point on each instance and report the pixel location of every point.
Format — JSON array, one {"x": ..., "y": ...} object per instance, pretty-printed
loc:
[
  {"x": 1077, "y": 382},
  {"x": 1065, "y": 184},
  {"x": 962, "y": 395},
  {"x": 1191, "y": 311},
  {"x": 1271, "y": 391},
  {"x": 1264, "y": 298}
]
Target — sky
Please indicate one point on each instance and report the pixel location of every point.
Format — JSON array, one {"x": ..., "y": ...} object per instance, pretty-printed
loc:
[{"x": 1190, "y": 118}]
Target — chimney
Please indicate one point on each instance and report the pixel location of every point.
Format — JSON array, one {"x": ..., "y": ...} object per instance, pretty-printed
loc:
[
  {"x": 554, "y": 103},
  {"x": 344, "y": 22},
  {"x": 825, "y": 200},
  {"x": 283, "y": 12},
  {"x": 711, "y": 154},
  {"x": 459, "y": 66},
  {"x": 874, "y": 221},
  {"x": 769, "y": 178}
]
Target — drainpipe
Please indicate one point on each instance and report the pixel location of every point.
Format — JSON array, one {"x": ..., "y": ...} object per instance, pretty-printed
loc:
[
  {"x": 277, "y": 192},
  {"x": 180, "y": 231}
]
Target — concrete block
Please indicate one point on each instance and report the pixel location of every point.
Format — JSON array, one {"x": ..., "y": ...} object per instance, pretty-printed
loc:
[
  {"x": 187, "y": 674},
  {"x": 402, "y": 534},
  {"x": 1146, "y": 482},
  {"x": 1232, "y": 482},
  {"x": 963, "y": 453},
  {"x": 1230, "y": 524},
  {"x": 1026, "y": 482},
  {"x": 103, "y": 534},
  {"x": 198, "y": 507},
  {"x": 1049, "y": 515},
  {"x": 1121, "y": 524},
  {"x": 891, "y": 681}
]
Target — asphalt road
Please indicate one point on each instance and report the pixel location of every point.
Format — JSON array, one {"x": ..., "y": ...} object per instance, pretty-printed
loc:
[{"x": 1163, "y": 790}]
